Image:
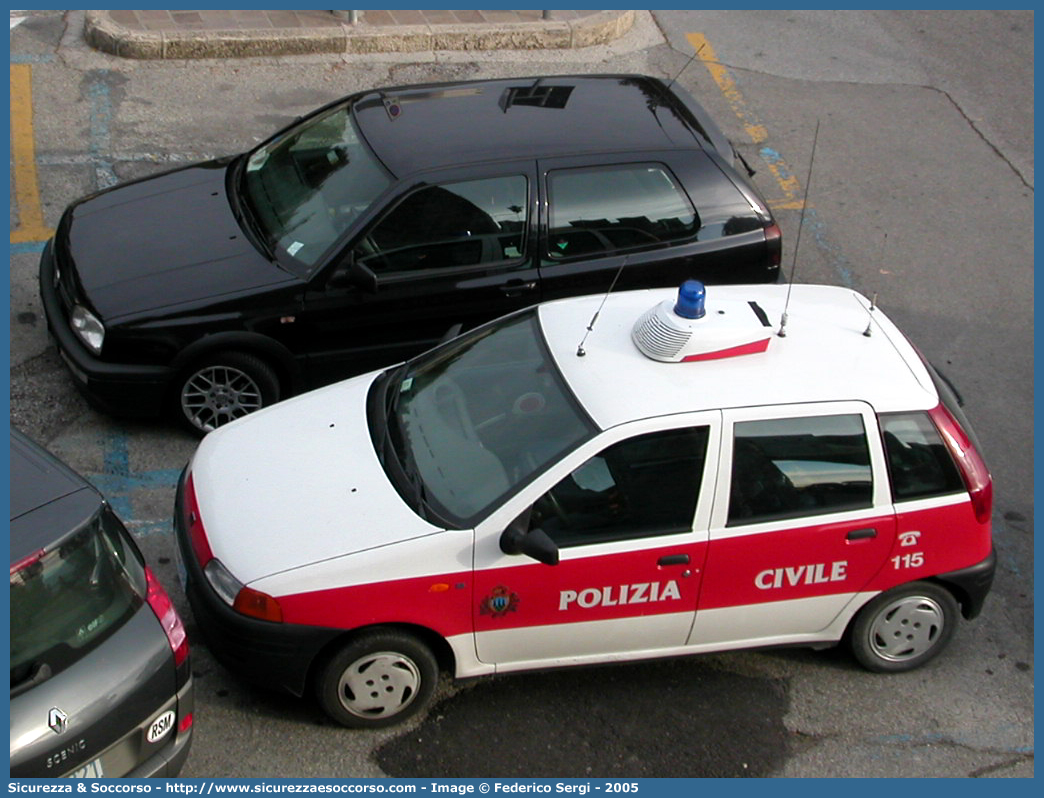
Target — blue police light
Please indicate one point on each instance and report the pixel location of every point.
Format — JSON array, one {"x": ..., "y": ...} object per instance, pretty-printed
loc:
[{"x": 691, "y": 297}]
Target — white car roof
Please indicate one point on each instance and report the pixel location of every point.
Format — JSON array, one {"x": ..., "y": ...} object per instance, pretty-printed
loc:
[{"x": 824, "y": 356}]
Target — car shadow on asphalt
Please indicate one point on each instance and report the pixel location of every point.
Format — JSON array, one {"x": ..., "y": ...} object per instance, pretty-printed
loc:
[{"x": 676, "y": 718}]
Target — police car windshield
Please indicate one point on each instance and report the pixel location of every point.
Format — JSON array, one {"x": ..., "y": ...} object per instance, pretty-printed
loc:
[{"x": 482, "y": 415}]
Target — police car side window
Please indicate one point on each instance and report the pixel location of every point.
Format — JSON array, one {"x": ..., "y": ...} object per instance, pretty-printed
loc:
[
  {"x": 640, "y": 487},
  {"x": 919, "y": 463},
  {"x": 791, "y": 467}
]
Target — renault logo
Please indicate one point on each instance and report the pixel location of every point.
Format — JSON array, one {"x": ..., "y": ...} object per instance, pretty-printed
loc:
[{"x": 57, "y": 720}]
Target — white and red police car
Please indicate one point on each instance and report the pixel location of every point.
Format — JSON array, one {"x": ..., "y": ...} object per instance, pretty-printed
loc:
[{"x": 680, "y": 478}]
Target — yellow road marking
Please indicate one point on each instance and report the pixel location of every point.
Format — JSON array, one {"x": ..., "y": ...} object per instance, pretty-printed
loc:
[
  {"x": 31, "y": 225},
  {"x": 758, "y": 133}
]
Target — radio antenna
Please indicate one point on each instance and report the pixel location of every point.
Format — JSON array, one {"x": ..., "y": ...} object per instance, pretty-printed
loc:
[
  {"x": 873, "y": 302},
  {"x": 692, "y": 58},
  {"x": 797, "y": 243},
  {"x": 580, "y": 349},
  {"x": 870, "y": 316}
]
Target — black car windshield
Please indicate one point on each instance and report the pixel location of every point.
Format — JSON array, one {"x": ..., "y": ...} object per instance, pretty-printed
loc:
[
  {"x": 66, "y": 602},
  {"x": 307, "y": 186},
  {"x": 479, "y": 417}
]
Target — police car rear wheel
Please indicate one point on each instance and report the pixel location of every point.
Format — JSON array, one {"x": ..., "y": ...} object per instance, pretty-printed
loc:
[
  {"x": 377, "y": 680},
  {"x": 904, "y": 628}
]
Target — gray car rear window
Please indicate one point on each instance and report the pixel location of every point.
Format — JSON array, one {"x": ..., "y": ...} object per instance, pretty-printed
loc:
[{"x": 67, "y": 601}]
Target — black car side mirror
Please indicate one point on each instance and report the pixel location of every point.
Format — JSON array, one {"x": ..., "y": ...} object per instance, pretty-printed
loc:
[
  {"x": 354, "y": 273},
  {"x": 518, "y": 538}
]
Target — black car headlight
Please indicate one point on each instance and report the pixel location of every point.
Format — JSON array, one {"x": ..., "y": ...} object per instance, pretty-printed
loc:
[{"x": 87, "y": 328}]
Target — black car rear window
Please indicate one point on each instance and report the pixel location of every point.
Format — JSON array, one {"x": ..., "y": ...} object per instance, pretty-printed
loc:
[
  {"x": 66, "y": 602},
  {"x": 595, "y": 211}
]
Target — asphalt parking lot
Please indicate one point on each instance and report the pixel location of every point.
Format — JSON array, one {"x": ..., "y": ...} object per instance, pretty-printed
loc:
[{"x": 922, "y": 194}]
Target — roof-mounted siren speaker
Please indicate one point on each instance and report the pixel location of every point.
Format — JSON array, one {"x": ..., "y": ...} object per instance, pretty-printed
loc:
[{"x": 682, "y": 331}]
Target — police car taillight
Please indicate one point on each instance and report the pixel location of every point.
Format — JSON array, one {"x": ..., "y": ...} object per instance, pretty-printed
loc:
[
  {"x": 973, "y": 468},
  {"x": 168, "y": 617},
  {"x": 687, "y": 329},
  {"x": 196, "y": 533}
]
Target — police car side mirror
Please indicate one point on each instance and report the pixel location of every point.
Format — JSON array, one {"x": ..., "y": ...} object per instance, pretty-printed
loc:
[{"x": 518, "y": 538}]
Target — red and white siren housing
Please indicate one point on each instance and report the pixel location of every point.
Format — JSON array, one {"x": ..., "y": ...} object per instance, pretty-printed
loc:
[{"x": 683, "y": 331}]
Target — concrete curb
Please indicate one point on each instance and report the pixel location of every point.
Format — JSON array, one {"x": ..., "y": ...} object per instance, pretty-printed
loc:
[{"x": 102, "y": 33}]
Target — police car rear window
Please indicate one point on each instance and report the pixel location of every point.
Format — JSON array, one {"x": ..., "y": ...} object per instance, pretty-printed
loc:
[
  {"x": 791, "y": 467},
  {"x": 919, "y": 463}
]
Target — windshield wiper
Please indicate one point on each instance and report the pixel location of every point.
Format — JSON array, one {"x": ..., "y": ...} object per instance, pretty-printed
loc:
[
  {"x": 389, "y": 402},
  {"x": 404, "y": 458},
  {"x": 244, "y": 214},
  {"x": 39, "y": 673}
]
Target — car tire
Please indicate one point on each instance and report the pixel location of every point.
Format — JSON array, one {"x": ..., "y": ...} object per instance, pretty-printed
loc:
[
  {"x": 904, "y": 627},
  {"x": 223, "y": 387},
  {"x": 377, "y": 680}
]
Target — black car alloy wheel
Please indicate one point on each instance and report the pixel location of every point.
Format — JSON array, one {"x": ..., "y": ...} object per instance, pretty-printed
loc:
[{"x": 224, "y": 387}]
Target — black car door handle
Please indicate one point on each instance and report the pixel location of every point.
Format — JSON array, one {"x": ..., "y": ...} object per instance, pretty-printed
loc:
[
  {"x": 673, "y": 559},
  {"x": 862, "y": 534},
  {"x": 518, "y": 287}
]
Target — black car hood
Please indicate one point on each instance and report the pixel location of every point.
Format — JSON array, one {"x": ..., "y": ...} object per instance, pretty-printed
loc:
[{"x": 166, "y": 240}]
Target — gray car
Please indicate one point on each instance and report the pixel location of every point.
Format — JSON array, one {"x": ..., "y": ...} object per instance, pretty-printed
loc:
[{"x": 100, "y": 674}]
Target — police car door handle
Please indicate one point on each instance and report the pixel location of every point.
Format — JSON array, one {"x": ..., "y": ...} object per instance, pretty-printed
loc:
[
  {"x": 673, "y": 559},
  {"x": 862, "y": 534}
]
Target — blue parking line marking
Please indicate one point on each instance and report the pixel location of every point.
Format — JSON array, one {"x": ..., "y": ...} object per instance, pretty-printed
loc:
[
  {"x": 100, "y": 129},
  {"x": 119, "y": 484},
  {"x": 29, "y": 58},
  {"x": 28, "y": 247},
  {"x": 813, "y": 223}
]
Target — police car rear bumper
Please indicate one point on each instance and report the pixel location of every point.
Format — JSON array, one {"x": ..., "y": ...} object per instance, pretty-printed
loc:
[
  {"x": 972, "y": 584},
  {"x": 270, "y": 654}
]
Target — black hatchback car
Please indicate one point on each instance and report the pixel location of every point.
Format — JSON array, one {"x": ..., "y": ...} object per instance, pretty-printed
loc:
[
  {"x": 361, "y": 234},
  {"x": 100, "y": 673}
]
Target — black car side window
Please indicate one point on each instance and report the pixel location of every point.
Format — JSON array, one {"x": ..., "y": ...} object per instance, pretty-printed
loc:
[
  {"x": 608, "y": 209},
  {"x": 791, "y": 467},
  {"x": 918, "y": 461},
  {"x": 640, "y": 487},
  {"x": 455, "y": 224}
]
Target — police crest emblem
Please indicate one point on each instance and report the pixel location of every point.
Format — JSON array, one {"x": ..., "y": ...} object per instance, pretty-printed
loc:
[{"x": 499, "y": 602}]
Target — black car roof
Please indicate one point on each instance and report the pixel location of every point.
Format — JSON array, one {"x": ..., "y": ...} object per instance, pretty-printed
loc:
[
  {"x": 438, "y": 125},
  {"x": 48, "y": 499}
]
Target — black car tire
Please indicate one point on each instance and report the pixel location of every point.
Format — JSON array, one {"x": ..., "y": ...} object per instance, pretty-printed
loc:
[
  {"x": 379, "y": 679},
  {"x": 223, "y": 387},
  {"x": 904, "y": 627}
]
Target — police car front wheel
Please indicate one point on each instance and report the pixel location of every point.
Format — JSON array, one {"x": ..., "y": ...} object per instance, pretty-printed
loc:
[
  {"x": 904, "y": 627},
  {"x": 377, "y": 680}
]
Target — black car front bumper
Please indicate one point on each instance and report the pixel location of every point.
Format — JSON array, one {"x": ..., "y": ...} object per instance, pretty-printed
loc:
[
  {"x": 266, "y": 653},
  {"x": 132, "y": 390}
]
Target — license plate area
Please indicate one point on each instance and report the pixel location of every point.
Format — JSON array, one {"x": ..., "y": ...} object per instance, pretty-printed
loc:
[{"x": 92, "y": 770}]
